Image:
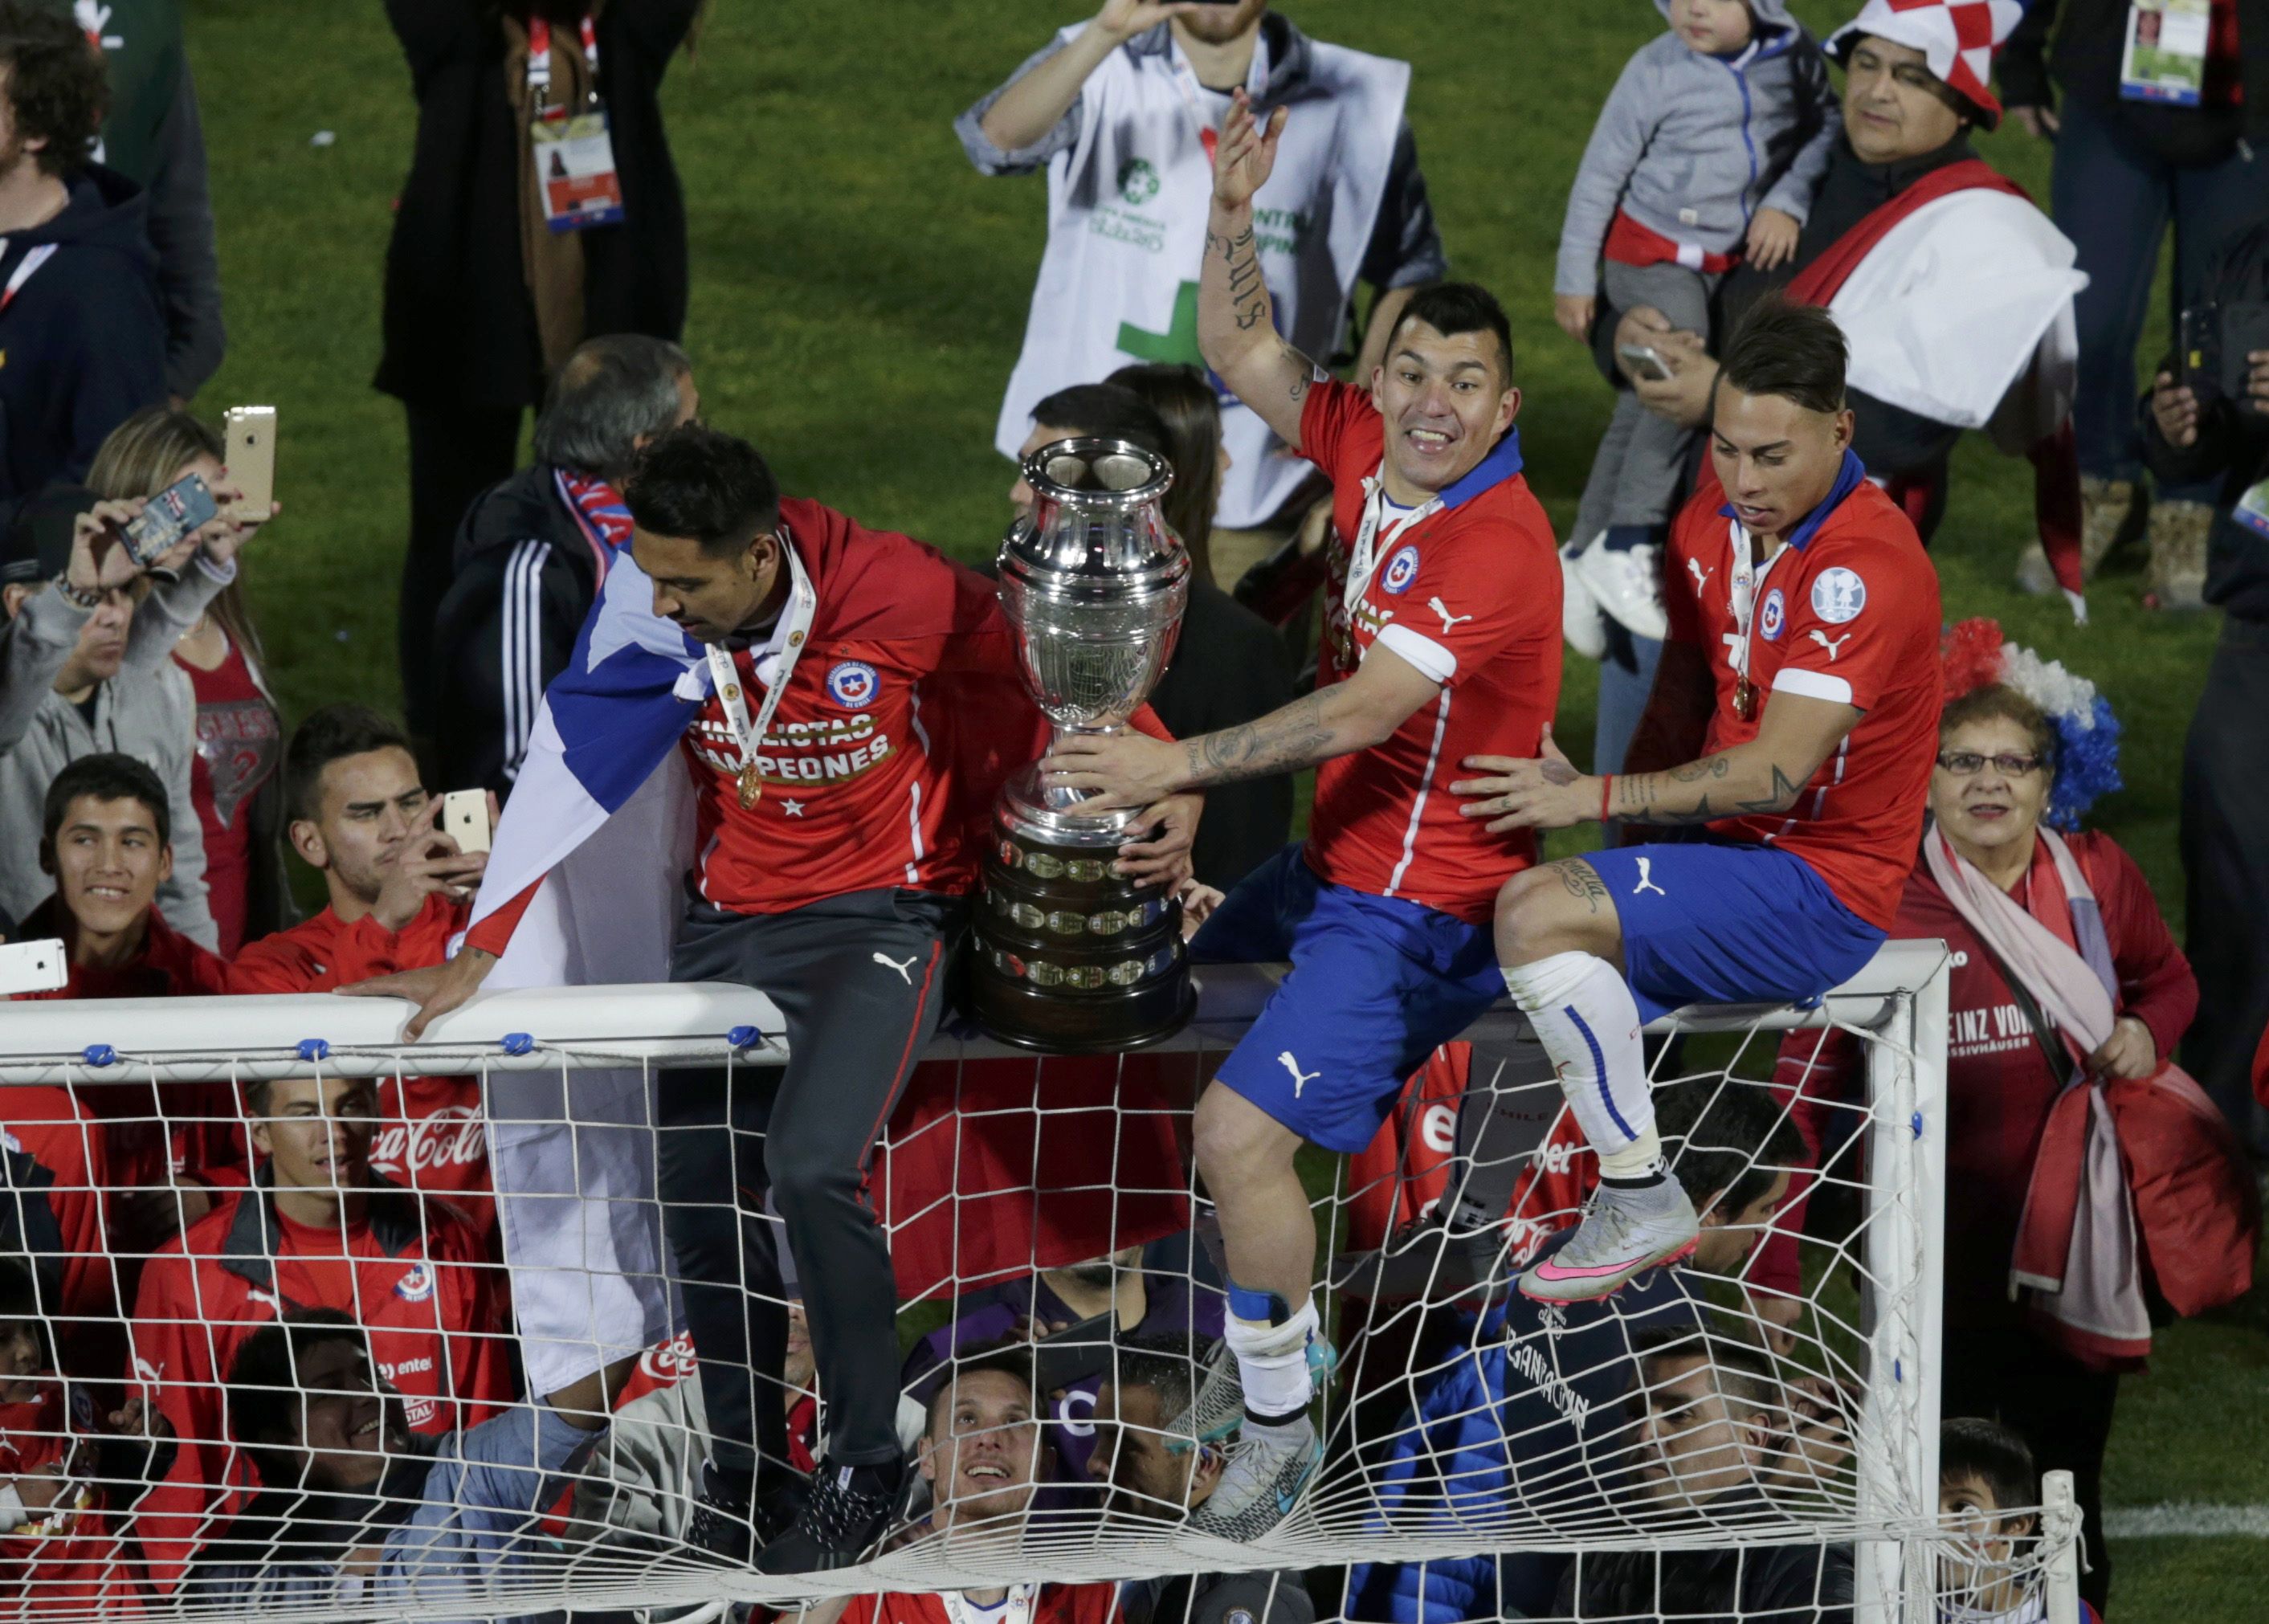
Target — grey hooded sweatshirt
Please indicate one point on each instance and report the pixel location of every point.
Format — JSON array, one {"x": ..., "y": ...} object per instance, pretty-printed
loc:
[{"x": 1691, "y": 145}]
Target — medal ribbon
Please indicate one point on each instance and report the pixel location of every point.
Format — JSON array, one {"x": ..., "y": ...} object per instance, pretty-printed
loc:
[
  {"x": 1742, "y": 593},
  {"x": 803, "y": 601},
  {"x": 1374, "y": 534},
  {"x": 31, "y": 262}
]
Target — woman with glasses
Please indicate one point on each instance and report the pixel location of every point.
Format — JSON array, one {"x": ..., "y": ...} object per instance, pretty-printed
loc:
[{"x": 2008, "y": 773}]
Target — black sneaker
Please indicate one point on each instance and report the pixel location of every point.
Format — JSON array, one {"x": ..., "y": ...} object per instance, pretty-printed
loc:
[
  {"x": 841, "y": 1519},
  {"x": 720, "y": 1527}
]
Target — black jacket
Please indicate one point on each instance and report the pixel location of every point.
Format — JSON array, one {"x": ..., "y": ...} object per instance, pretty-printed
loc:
[
  {"x": 1722, "y": 1585},
  {"x": 460, "y": 325},
  {"x": 83, "y": 342},
  {"x": 2085, "y": 63},
  {"x": 2233, "y": 442},
  {"x": 525, "y": 579}
]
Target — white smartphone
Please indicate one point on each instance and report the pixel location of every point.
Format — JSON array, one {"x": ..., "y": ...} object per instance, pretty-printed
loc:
[
  {"x": 1644, "y": 360},
  {"x": 249, "y": 434},
  {"x": 465, "y": 818},
  {"x": 33, "y": 967}
]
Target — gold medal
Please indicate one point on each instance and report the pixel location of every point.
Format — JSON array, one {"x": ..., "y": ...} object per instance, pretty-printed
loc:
[
  {"x": 752, "y": 787},
  {"x": 1744, "y": 699}
]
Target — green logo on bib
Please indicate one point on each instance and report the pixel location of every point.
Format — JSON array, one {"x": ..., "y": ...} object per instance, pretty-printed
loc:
[{"x": 1138, "y": 181}]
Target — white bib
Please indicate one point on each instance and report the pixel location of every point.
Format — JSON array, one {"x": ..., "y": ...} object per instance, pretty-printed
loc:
[{"x": 1126, "y": 217}]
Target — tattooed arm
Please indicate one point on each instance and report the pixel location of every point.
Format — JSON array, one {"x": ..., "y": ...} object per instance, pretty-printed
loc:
[
  {"x": 1766, "y": 775},
  {"x": 1235, "y": 330},
  {"x": 1130, "y": 770}
]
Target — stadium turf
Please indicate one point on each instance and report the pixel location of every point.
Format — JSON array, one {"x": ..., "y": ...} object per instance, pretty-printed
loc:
[{"x": 859, "y": 296}]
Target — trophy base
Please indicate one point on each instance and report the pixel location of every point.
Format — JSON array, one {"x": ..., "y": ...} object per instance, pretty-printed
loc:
[{"x": 1069, "y": 957}]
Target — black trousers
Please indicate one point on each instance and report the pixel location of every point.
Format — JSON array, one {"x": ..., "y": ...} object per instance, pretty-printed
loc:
[
  {"x": 455, "y": 452},
  {"x": 2225, "y": 846},
  {"x": 860, "y": 980},
  {"x": 2060, "y": 1407}
]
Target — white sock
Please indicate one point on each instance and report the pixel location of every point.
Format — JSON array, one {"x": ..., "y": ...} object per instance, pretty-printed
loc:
[
  {"x": 1588, "y": 1021},
  {"x": 1272, "y": 1360}
]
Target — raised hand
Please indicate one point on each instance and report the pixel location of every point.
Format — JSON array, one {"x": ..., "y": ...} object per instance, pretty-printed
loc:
[{"x": 1246, "y": 152}]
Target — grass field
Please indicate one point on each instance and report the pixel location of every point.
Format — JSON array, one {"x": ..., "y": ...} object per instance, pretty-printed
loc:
[{"x": 859, "y": 296}]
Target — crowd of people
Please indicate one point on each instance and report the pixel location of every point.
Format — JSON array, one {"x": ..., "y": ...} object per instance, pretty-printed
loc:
[{"x": 322, "y": 1341}]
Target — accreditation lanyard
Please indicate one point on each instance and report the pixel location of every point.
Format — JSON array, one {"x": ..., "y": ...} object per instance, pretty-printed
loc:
[
  {"x": 1741, "y": 592},
  {"x": 1376, "y": 532},
  {"x": 1187, "y": 85},
  {"x": 1017, "y": 1609},
  {"x": 802, "y": 602},
  {"x": 31, "y": 262},
  {"x": 539, "y": 63}
]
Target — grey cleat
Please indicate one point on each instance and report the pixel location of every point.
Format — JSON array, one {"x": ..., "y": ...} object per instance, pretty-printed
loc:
[
  {"x": 1624, "y": 1232},
  {"x": 1217, "y": 1408},
  {"x": 1269, "y": 1469}
]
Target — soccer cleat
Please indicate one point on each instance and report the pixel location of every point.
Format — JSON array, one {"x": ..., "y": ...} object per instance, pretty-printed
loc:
[
  {"x": 1217, "y": 1408},
  {"x": 838, "y": 1523},
  {"x": 1626, "y": 582},
  {"x": 1428, "y": 1259},
  {"x": 1269, "y": 1469},
  {"x": 1623, "y": 1233},
  {"x": 1581, "y": 622}
]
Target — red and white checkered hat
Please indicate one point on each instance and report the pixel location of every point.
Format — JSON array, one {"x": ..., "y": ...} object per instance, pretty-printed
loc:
[{"x": 1957, "y": 37}]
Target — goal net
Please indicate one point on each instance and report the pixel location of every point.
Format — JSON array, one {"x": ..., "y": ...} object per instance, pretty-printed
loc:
[{"x": 300, "y": 1322}]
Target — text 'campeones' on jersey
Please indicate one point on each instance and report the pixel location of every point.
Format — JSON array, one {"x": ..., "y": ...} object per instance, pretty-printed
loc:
[
  {"x": 1847, "y": 612},
  {"x": 1467, "y": 589}
]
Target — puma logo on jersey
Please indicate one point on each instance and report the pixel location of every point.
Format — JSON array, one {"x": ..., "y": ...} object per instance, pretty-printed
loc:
[
  {"x": 1449, "y": 621},
  {"x": 905, "y": 971},
  {"x": 1300, "y": 1078},
  {"x": 1646, "y": 879},
  {"x": 1830, "y": 644},
  {"x": 1701, "y": 576}
]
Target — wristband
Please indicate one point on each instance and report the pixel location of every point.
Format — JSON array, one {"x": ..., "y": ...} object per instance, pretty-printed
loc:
[
  {"x": 1607, "y": 795},
  {"x": 72, "y": 594}
]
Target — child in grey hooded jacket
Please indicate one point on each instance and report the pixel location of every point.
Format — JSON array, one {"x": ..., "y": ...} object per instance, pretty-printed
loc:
[{"x": 1708, "y": 150}]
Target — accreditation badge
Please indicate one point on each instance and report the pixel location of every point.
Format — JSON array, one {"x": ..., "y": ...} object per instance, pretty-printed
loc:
[
  {"x": 2164, "y": 58},
  {"x": 575, "y": 177}
]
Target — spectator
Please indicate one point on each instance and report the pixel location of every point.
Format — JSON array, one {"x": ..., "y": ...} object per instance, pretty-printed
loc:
[
  {"x": 2225, "y": 858},
  {"x": 317, "y": 1229},
  {"x": 1999, "y": 771},
  {"x": 355, "y": 1507},
  {"x": 55, "y": 1168},
  {"x": 239, "y": 732},
  {"x": 87, "y": 670},
  {"x": 152, "y": 135},
  {"x": 1706, "y": 155},
  {"x": 980, "y": 1455},
  {"x": 1158, "y": 1472},
  {"x": 2128, "y": 162},
  {"x": 399, "y": 895},
  {"x": 485, "y": 295},
  {"x": 1503, "y": 1426},
  {"x": 82, "y": 324},
  {"x": 57, "y": 1549},
  {"x": 1718, "y": 1433},
  {"x": 1122, "y": 112},
  {"x": 1961, "y": 322},
  {"x": 533, "y": 551},
  {"x": 1986, "y": 1487},
  {"x": 1229, "y": 665},
  {"x": 1141, "y": 1303}
]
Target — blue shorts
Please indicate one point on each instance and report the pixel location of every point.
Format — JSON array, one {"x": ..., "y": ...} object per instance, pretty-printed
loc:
[
  {"x": 1376, "y": 983},
  {"x": 1729, "y": 922}
]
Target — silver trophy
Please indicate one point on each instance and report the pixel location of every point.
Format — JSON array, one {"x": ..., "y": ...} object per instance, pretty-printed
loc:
[{"x": 1071, "y": 957}]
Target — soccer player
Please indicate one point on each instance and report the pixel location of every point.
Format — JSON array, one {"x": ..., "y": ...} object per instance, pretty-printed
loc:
[
  {"x": 1795, "y": 719},
  {"x": 1443, "y": 641},
  {"x": 401, "y": 895},
  {"x": 317, "y": 1229},
  {"x": 845, "y": 703}
]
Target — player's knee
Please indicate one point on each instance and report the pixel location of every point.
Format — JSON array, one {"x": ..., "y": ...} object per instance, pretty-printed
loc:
[
  {"x": 800, "y": 1179},
  {"x": 1229, "y": 1133},
  {"x": 1526, "y": 916}
]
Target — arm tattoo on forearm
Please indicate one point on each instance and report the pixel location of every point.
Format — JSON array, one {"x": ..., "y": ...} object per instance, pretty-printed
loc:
[
  {"x": 1248, "y": 293},
  {"x": 1283, "y": 740},
  {"x": 1661, "y": 798}
]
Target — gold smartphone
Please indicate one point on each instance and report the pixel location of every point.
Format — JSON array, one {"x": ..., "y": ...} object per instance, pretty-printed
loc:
[
  {"x": 465, "y": 818},
  {"x": 250, "y": 455}
]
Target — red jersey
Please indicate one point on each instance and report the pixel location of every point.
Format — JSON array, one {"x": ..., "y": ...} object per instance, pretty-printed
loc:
[
  {"x": 1999, "y": 1085},
  {"x": 434, "y": 1139},
  {"x": 69, "y": 1556},
  {"x": 1467, "y": 589},
  {"x": 1050, "y": 1604},
  {"x": 240, "y": 746},
  {"x": 1847, "y": 612},
  {"x": 57, "y": 1165},
  {"x": 413, "y": 1272}
]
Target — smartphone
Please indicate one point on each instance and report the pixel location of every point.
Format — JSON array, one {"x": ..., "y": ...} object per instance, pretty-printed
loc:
[
  {"x": 465, "y": 818},
  {"x": 32, "y": 967},
  {"x": 2197, "y": 352},
  {"x": 250, "y": 434},
  {"x": 1644, "y": 361},
  {"x": 180, "y": 508},
  {"x": 2244, "y": 329}
]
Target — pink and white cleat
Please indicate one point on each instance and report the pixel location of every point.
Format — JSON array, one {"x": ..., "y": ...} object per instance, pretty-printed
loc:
[{"x": 1624, "y": 1233}]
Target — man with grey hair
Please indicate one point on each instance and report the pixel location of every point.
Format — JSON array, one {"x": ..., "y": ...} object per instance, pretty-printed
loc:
[{"x": 533, "y": 549}]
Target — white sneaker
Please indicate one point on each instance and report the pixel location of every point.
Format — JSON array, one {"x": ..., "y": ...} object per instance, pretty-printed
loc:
[
  {"x": 1623, "y": 1233},
  {"x": 1627, "y": 585},
  {"x": 1269, "y": 1469},
  {"x": 1580, "y": 620}
]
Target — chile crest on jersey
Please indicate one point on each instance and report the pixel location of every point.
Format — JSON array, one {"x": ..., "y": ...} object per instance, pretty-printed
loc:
[
  {"x": 1401, "y": 569},
  {"x": 852, "y": 684}
]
